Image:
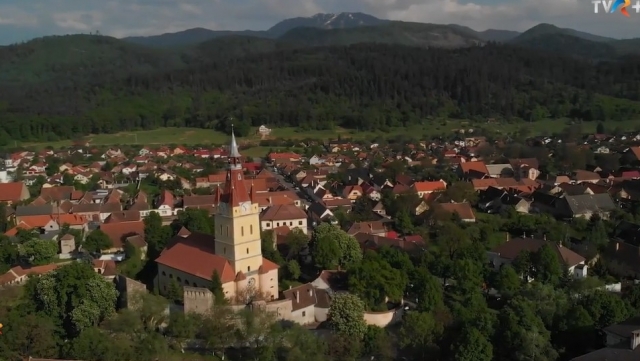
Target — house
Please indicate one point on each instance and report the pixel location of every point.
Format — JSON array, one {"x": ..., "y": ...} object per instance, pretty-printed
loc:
[
  {"x": 525, "y": 167},
  {"x": 504, "y": 170},
  {"x": 424, "y": 188},
  {"x": 462, "y": 210},
  {"x": 284, "y": 215},
  {"x": 495, "y": 200},
  {"x": 507, "y": 252},
  {"x": 19, "y": 275},
  {"x": 352, "y": 192},
  {"x": 473, "y": 170},
  {"x": 118, "y": 233},
  {"x": 586, "y": 176},
  {"x": 165, "y": 203},
  {"x": 375, "y": 227},
  {"x": 288, "y": 157},
  {"x": 67, "y": 245},
  {"x": 15, "y": 192},
  {"x": 303, "y": 301},
  {"x": 586, "y": 205},
  {"x": 622, "y": 343},
  {"x": 318, "y": 213}
]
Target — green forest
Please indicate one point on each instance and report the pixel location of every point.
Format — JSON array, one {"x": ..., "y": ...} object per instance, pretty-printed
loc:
[{"x": 63, "y": 87}]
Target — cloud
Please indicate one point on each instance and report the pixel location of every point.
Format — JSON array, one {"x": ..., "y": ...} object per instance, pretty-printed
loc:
[{"x": 22, "y": 20}]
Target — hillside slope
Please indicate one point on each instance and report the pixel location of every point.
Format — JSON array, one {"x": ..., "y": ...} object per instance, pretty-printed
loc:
[
  {"x": 258, "y": 81},
  {"x": 43, "y": 58},
  {"x": 189, "y": 37}
]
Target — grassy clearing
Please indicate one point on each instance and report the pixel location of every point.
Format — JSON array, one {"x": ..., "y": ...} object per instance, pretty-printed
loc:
[{"x": 190, "y": 136}]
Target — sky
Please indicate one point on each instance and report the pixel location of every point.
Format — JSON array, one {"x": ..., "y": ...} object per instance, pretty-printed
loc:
[{"x": 22, "y": 20}]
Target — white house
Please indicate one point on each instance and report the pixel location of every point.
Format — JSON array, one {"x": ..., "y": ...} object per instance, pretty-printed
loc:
[{"x": 284, "y": 215}]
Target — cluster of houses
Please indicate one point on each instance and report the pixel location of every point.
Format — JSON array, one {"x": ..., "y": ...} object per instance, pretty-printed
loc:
[{"x": 292, "y": 191}]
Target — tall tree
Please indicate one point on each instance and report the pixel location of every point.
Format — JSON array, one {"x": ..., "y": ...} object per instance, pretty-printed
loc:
[
  {"x": 74, "y": 294},
  {"x": 547, "y": 265},
  {"x": 346, "y": 315},
  {"x": 216, "y": 288}
]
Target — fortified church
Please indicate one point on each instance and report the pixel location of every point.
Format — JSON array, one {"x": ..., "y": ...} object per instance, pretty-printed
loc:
[{"x": 235, "y": 253}]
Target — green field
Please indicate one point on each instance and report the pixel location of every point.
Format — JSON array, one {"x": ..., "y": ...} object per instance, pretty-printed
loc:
[{"x": 190, "y": 136}]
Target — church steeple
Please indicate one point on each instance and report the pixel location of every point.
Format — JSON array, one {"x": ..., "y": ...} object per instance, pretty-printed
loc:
[
  {"x": 235, "y": 191},
  {"x": 234, "y": 153}
]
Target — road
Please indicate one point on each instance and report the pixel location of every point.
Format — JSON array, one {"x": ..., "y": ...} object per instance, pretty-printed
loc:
[{"x": 306, "y": 199}]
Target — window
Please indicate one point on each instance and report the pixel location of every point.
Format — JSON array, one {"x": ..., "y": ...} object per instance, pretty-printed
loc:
[
  {"x": 186, "y": 282},
  {"x": 248, "y": 268},
  {"x": 268, "y": 225},
  {"x": 179, "y": 280},
  {"x": 247, "y": 250},
  {"x": 170, "y": 276},
  {"x": 291, "y": 223},
  {"x": 227, "y": 230},
  {"x": 224, "y": 250},
  {"x": 242, "y": 231},
  {"x": 163, "y": 273},
  {"x": 220, "y": 229},
  {"x": 251, "y": 229},
  {"x": 304, "y": 313},
  {"x": 299, "y": 223},
  {"x": 277, "y": 224}
]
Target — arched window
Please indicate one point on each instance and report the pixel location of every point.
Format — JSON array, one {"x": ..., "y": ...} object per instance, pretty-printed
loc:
[
  {"x": 179, "y": 280},
  {"x": 242, "y": 231},
  {"x": 247, "y": 250},
  {"x": 224, "y": 250},
  {"x": 248, "y": 268},
  {"x": 227, "y": 230},
  {"x": 186, "y": 282},
  {"x": 163, "y": 273},
  {"x": 251, "y": 229}
]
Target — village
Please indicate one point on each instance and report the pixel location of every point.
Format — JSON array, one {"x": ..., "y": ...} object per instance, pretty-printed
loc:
[{"x": 90, "y": 203}]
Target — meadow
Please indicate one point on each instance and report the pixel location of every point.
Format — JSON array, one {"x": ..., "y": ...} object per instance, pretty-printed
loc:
[{"x": 191, "y": 136}]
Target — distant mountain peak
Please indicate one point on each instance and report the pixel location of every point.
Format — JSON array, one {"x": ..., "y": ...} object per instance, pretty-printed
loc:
[{"x": 325, "y": 21}]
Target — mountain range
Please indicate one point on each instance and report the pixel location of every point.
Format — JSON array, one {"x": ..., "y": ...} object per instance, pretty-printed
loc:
[
  {"x": 352, "y": 28},
  {"x": 348, "y": 69}
]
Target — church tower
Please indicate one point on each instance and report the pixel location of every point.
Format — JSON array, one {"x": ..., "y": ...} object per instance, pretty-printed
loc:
[{"x": 237, "y": 222}]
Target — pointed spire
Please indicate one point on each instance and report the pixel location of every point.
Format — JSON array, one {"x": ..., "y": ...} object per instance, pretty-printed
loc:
[{"x": 233, "y": 150}]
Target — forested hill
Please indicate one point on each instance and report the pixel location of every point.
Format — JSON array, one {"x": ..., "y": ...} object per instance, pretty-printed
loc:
[{"x": 92, "y": 84}]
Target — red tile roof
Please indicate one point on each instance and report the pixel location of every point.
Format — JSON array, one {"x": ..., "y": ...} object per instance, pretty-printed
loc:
[
  {"x": 195, "y": 254},
  {"x": 11, "y": 192},
  {"x": 117, "y": 231},
  {"x": 430, "y": 186},
  {"x": 480, "y": 167}
]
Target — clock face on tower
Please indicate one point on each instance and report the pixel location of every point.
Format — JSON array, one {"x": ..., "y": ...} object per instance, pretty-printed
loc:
[
  {"x": 222, "y": 207},
  {"x": 245, "y": 207},
  {"x": 252, "y": 281}
]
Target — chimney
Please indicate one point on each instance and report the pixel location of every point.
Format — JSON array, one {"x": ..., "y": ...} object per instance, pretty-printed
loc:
[
  {"x": 297, "y": 296},
  {"x": 508, "y": 236},
  {"x": 544, "y": 237},
  {"x": 635, "y": 339},
  {"x": 270, "y": 200},
  {"x": 310, "y": 291},
  {"x": 289, "y": 286}
]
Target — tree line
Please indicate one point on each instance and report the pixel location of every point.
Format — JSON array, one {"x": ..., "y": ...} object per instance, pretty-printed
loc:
[{"x": 364, "y": 86}]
